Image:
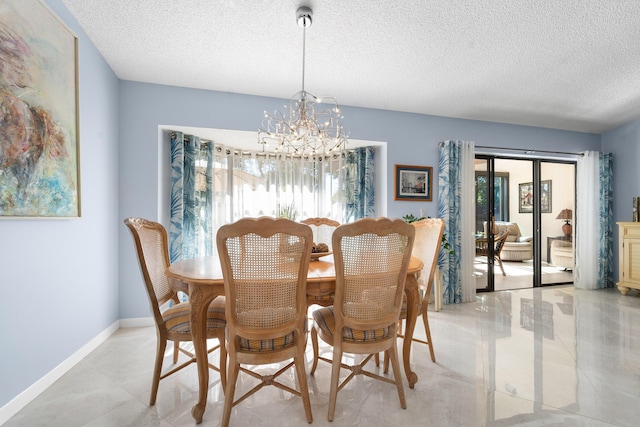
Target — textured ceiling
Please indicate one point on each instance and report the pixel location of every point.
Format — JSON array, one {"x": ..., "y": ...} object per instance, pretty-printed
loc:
[{"x": 568, "y": 64}]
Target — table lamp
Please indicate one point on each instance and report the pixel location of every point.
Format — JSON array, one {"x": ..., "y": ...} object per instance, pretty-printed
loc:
[{"x": 566, "y": 215}]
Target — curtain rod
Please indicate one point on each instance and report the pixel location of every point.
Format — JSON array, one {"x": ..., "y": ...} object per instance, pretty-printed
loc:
[
  {"x": 173, "y": 133},
  {"x": 253, "y": 153},
  {"x": 530, "y": 151}
]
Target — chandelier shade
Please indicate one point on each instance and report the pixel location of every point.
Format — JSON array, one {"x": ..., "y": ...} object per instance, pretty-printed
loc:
[{"x": 309, "y": 125}]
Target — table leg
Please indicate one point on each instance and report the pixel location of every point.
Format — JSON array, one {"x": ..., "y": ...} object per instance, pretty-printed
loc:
[
  {"x": 413, "y": 309},
  {"x": 200, "y": 297}
]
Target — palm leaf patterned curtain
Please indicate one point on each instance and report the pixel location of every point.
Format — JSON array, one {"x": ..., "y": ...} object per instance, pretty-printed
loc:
[
  {"x": 190, "y": 228},
  {"x": 455, "y": 207},
  {"x": 359, "y": 188}
]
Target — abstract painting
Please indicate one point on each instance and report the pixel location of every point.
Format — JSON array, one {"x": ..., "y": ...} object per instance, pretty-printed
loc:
[{"x": 39, "y": 157}]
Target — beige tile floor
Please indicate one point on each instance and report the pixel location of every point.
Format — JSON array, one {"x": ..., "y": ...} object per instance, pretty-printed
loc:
[{"x": 552, "y": 356}]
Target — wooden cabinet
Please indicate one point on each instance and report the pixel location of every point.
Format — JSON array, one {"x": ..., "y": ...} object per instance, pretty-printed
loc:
[{"x": 629, "y": 256}]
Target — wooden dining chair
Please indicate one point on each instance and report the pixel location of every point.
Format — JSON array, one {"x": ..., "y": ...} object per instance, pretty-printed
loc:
[
  {"x": 170, "y": 315},
  {"x": 426, "y": 247},
  {"x": 322, "y": 229},
  {"x": 482, "y": 248},
  {"x": 265, "y": 262},
  {"x": 371, "y": 261}
]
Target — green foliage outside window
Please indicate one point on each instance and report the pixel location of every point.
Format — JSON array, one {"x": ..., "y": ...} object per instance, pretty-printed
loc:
[{"x": 445, "y": 243}]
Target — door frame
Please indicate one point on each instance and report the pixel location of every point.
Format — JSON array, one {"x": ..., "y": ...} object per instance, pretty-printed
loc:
[{"x": 538, "y": 246}]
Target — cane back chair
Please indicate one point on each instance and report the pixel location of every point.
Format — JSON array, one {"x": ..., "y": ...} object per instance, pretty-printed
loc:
[
  {"x": 426, "y": 247},
  {"x": 323, "y": 229},
  {"x": 371, "y": 261},
  {"x": 170, "y": 315},
  {"x": 265, "y": 263}
]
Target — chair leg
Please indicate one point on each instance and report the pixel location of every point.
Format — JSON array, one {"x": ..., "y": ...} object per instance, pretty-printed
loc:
[
  {"x": 223, "y": 364},
  {"x": 386, "y": 362},
  {"x": 425, "y": 320},
  {"x": 335, "y": 378},
  {"x": 157, "y": 369},
  {"x": 302, "y": 383},
  {"x": 386, "y": 353},
  {"x": 314, "y": 344},
  {"x": 176, "y": 351},
  {"x": 501, "y": 266},
  {"x": 234, "y": 369},
  {"x": 395, "y": 364}
]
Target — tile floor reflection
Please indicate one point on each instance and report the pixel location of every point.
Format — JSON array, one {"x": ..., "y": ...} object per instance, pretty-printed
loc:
[
  {"x": 557, "y": 355},
  {"x": 519, "y": 275}
]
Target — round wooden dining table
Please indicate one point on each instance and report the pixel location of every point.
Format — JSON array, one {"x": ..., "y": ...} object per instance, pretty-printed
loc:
[{"x": 201, "y": 278}]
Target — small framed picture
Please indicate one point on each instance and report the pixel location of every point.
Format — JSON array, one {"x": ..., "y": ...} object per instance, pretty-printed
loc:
[
  {"x": 413, "y": 183},
  {"x": 525, "y": 197},
  {"x": 545, "y": 196}
]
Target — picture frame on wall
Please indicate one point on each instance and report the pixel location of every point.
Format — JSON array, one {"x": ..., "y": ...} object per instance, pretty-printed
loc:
[
  {"x": 413, "y": 183},
  {"x": 39, "y": 147},
  {"x": 545, "y": 196},
  {"x": 525, "y": 197}
]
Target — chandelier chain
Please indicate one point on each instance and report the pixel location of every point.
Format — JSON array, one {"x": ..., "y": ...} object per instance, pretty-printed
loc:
[
  {"x": 309, "y": 125},
  {"x": 304, "y": 51}
]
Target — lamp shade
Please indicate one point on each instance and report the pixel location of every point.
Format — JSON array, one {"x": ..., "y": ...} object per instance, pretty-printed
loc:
[{"x": 565, "y": 214}]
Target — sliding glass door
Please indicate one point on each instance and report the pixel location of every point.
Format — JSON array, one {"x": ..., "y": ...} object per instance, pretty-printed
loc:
[
  {"x": 522, "y": 206},
  {"x": 557, "y": 243}
]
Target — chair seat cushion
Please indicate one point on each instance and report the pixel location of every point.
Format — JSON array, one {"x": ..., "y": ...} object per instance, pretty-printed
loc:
[
  {"x": 325, "y": 320},
  {"x": 177, "y": 317},
  {"x": 270, "y": 344},
  {"x": 518, "y": 245}
]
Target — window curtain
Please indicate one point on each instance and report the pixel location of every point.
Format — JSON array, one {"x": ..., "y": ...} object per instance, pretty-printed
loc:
[
  {"x": 190, "y": 227},
  {"x": 338, "y": 186},
  {"x": 593, "y": 223},
  {"x": 456, "y": 207},
  {"x": 213, "y": 185},
  {"x": 359, "y": 184},
  {"x": 267, "y": 184}
]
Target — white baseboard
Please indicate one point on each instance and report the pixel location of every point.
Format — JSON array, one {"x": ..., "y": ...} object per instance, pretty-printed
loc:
[
  {"x": 137, "y": 322},
  {"x": 21, "y": 400}
]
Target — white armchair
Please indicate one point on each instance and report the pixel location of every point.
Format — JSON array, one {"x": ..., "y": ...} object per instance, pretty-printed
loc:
[{"x": 517, "y": 247}]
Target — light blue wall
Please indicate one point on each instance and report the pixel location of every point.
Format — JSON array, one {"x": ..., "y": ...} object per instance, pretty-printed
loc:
[
  {"x": 624, "y": 144},
  {"x": 66, "y": 281},
  {"x": 412, "y": 139},
  {"x": 59, "y": 278}
]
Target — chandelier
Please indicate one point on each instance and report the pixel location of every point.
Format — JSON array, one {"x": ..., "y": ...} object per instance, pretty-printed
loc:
[{"x": 310, "y": 124}]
